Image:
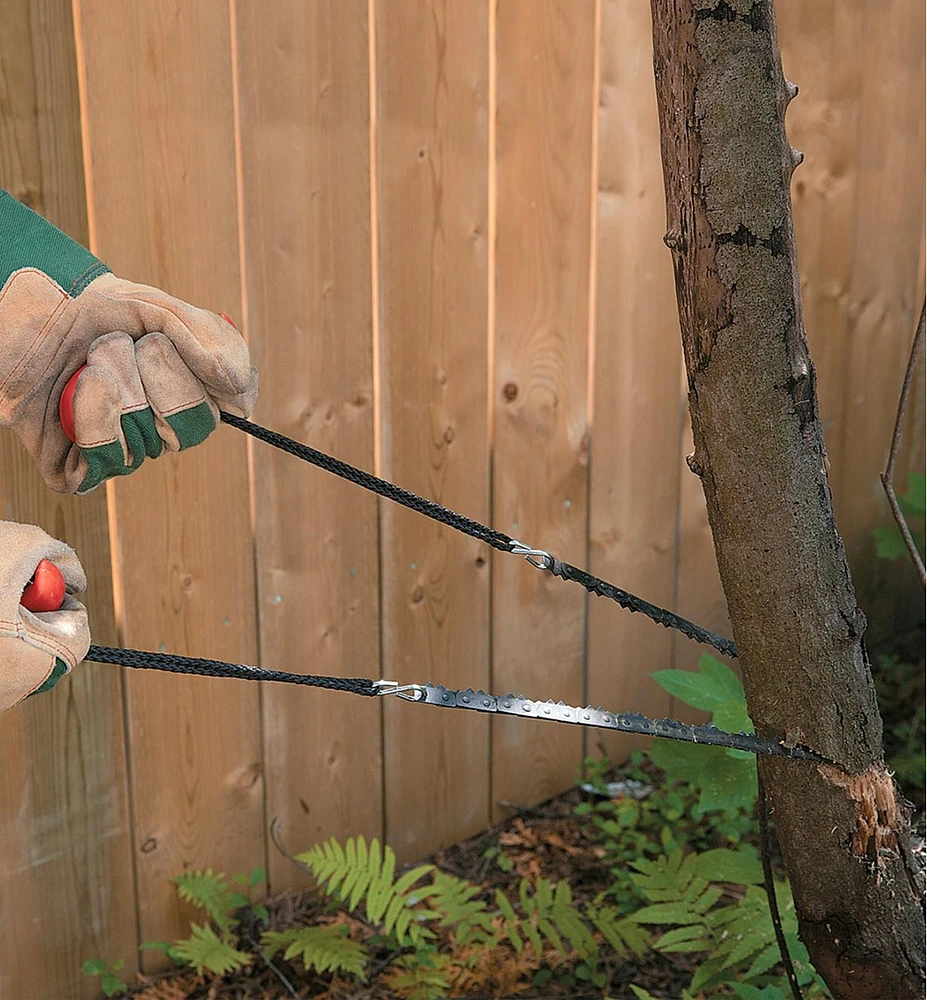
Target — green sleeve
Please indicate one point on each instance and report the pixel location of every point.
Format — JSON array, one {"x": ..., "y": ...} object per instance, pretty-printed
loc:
[{"x": 28, "y": 240}]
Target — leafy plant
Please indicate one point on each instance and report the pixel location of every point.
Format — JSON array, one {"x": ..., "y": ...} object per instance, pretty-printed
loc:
[
  {"x": 737, "y": 936},
  {"x": 411, "y": 909},
  {"x": 110, "y": 983},
  {"x": 356, "y": 874},
  {"x": 204, "y": 949},
  {"x": 322, "y": 949},
  {"x": 214, "y": 949},
  {"x": 725, "y": 778}
]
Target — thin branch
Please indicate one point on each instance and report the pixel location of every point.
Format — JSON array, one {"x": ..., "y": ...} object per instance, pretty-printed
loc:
[
  {"x": 762, "y": 806},
  {"x": 276, "y": 835},
  {"x": 888, "y": 477}
]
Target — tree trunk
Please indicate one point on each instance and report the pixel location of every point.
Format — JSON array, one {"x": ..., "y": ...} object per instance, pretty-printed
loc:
[{"x": 759, "y": 451}]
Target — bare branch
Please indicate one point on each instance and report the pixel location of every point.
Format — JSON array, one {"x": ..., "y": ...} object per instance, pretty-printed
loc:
[{"x": 888, "y": 477}]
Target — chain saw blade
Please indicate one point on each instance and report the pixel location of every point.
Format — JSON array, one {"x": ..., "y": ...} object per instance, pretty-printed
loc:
[{"x": 599, "y": 718}]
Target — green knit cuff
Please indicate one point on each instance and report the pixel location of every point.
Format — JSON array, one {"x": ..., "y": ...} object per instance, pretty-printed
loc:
[
  {"x": 28, "y": 240},
  {"x": 59, "y": 671}
]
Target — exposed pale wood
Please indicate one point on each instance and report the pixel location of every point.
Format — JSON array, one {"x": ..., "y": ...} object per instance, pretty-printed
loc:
[
  {"x": 541, "y": 450},
  {"x": 161, "y": 141},
  {"x": 635, "y": 457},
  {"x": 305, "y": 135},
  {"x": 432, "y": 85},
  {"x": 66, "y": 890}
]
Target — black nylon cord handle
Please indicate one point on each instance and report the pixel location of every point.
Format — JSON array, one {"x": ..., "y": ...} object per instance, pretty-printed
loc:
[
  {"x": 219, "y": 668},
  {"x": 497, "y": 539},
  {"x": 382, "y": 487}
]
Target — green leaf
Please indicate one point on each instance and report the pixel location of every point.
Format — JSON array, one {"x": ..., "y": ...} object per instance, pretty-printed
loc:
[
  {"x": 640, "y": 993},
  {"x": 714, "y": 685},
  {"x": 688, "y": 687},
  {"x": 94, "y": 967},
  {"x": 112, "y": 985},
  {"x": 913, "y": 501},
  {"x": 257, "y": 876},
  {"x": 205, "y": 950},
  {"x": 725, "y": 865},
  {"x": 721, "y": 679},
  {"x": 732, "y": 716},
  {"x": 510, "y": 926},
  {"x": 320, "y": 949},
  {"x": 889, "y": 542},
  {"x": 164, "y": 946},
  {"x": 209, "y": 891},
  {"x": 723, "y": 782},
  {"x": 665, "y": 913}
]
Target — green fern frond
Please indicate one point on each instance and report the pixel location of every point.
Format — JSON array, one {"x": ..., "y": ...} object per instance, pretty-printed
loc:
[
  {"x": 549, "y": 913},
  {"x": 455, "y": 902},
  {"x": 204, "y": 949},
  {"x": 510, "y": 921},
  {"x": 320, "y": 949},
  {"x": 679, "y": 894},
  {"x": 360, "y": 873},
  {"x": 420, "y": 978},
  {"x": 625, "y": 936},
  {"x": 209, "y": 891}
]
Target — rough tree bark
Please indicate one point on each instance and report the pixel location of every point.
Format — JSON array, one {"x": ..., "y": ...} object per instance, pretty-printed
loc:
[{"x": 759, "y": 451}]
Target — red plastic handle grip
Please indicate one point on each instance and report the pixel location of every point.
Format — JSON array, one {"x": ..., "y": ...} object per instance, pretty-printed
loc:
[
  {"x": 66, "y": 406},
  {"x": 45, "y": 591}
]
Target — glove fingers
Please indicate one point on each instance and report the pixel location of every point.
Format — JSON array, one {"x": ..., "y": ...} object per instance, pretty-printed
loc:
[
  {"x": 184, "y": 413},
  {"x": 30, "y": 644},
  {"x": 114, "y": 426},
  {"x": 209, "y": 345}
]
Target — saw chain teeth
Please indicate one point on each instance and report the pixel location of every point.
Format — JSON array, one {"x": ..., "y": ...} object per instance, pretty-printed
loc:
[{"x": 600, "y": 718}]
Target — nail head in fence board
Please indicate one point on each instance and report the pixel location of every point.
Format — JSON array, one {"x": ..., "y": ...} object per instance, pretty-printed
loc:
[
  {"x": 432, "y": 86},
  {"x": 65, "y": 854},
  {"x": 161, "y": 141},
  {"x": 634, "y": 487},
  {"x": 545, "y": 53},
  {"x": 305, "y": 138}
]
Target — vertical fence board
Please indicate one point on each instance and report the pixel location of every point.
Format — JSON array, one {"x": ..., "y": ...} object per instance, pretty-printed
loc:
[
  {"x": 860, "y": 222},
  {"x": 545, "y": 53},
  {"x": 164, "y": 210},
  {"x": 824, "y": 122},
  {"x": 305, "y": 136},
  {"x": 635, "y": 454},
  {"x": 432, "y": 86},
  {"x": 66, "y": 890}
]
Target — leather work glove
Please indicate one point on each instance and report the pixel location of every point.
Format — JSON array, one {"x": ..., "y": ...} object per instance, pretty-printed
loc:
[
  {"x": 37, "y": 649},
  {"x": 158, "y": 370}
]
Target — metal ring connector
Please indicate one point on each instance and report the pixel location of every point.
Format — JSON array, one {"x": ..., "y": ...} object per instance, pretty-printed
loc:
[
  {"x": 408, "y": 692},
  {"x": 537, "y": 557}
]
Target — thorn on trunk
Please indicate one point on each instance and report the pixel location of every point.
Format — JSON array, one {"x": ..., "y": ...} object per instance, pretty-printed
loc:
[
  {"x": 694, "y": 465},
  {"x": 673, "y": 238}
]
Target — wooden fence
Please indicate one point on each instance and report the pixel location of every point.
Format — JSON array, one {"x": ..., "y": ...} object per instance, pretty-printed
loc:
[{"x": 440, "y": 226}]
